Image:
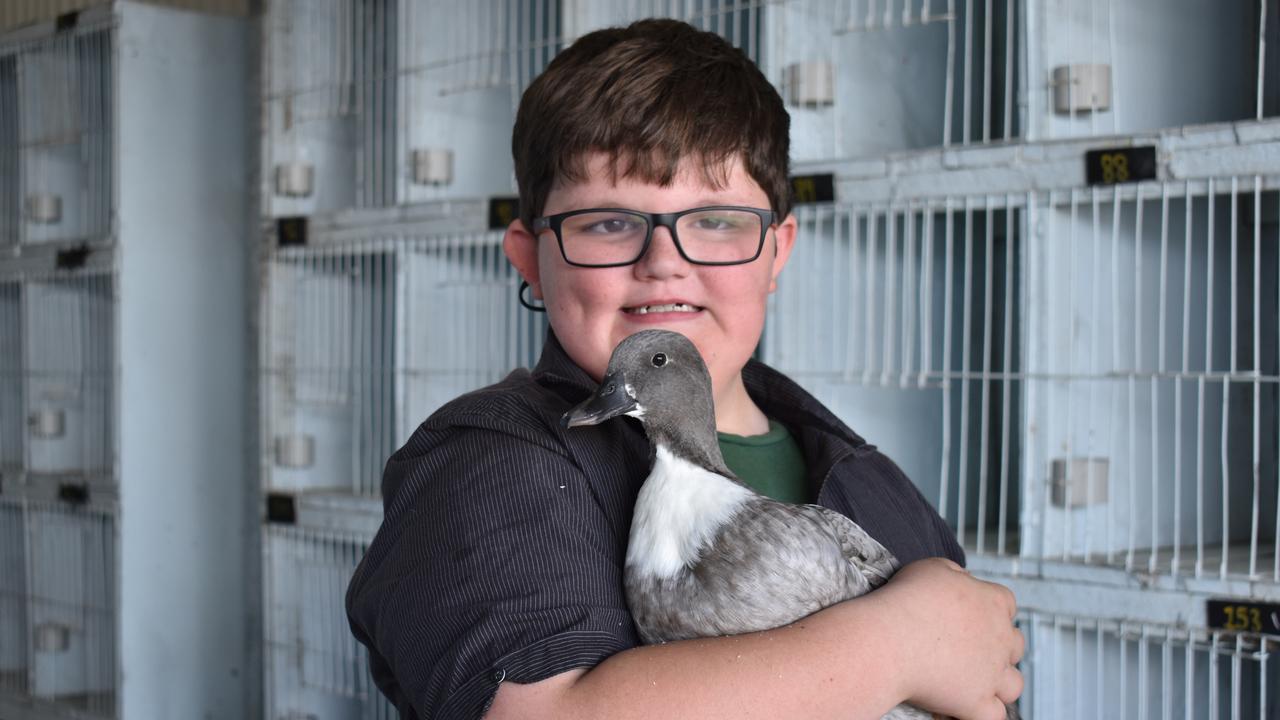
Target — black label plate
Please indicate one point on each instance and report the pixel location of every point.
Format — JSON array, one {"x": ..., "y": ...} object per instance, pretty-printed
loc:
[
  {"x": 813, "y": 188},
  {"x": 73, "y": 493},
  {"x": 291, "y": 231},
  {"x": 281, "y": 509},
  {"x": 72, "y": 258},
  {"x": 66, "y": 21},
  {"x": 1244, "y": 616},
  {"x": 1112, "y": 166},
  {"x": 502, "y": 210}
]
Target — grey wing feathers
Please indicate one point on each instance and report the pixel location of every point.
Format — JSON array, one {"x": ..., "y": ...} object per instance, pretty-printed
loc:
[{"x": 873, "y": 559}]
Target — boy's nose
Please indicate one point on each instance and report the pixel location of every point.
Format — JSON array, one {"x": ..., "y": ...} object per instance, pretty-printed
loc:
[{"x": 662, "y": 259}]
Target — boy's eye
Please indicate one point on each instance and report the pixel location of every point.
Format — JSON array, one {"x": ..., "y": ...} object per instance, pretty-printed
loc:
[
  {"x": 611, "y": 226},
  {"x": 716, "y": 222},
  {"x": 603, "y": 224}
]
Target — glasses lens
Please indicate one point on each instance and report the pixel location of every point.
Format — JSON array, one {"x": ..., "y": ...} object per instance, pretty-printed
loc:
[
  {"x": 720, "y": 236},
  {"x": 603, "y": 238}
]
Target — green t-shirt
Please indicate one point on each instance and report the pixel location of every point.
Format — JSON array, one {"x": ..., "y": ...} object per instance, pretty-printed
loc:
[{"x": 772, "y": 463}]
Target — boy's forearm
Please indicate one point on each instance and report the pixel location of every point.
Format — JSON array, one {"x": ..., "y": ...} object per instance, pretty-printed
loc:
[
  {"x": 933, "y": 635},
  {"x": 832, "y": 664}
]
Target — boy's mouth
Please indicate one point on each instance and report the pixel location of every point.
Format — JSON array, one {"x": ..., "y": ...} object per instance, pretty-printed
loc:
[{"x": 677, "y": 307}]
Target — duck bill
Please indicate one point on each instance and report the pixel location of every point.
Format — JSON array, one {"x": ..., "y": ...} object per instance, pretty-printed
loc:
[{"x": 609, "y": 401}]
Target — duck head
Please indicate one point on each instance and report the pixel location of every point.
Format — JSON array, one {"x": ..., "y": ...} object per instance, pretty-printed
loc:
[{"x": 659, "y": 377}]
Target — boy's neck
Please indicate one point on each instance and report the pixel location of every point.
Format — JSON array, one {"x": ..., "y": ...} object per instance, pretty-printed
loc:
[{"x": 736, "y": 412}]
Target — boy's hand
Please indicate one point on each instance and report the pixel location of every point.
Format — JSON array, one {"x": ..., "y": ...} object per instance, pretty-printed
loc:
[{"x": 960, "y": 649}]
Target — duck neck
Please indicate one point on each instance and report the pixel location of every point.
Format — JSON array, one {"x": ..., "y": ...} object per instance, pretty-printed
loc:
[{"x": 700, "y": 448}]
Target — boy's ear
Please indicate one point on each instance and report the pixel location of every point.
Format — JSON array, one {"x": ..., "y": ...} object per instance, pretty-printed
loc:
[
  {"x": 784, "y": 238},
  {"x": 521, "y": 248}
]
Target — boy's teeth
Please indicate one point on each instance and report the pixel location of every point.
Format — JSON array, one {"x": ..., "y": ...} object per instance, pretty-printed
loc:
[{"x": 672, "y": 307}]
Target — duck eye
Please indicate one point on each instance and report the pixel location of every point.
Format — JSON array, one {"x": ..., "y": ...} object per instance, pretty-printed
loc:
[
  {"x": 609, "y": 390},
  {"x": 659, "y": 360}
]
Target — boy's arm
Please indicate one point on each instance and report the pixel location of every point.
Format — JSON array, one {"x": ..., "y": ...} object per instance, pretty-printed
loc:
[{"x": 934, "y": 636}]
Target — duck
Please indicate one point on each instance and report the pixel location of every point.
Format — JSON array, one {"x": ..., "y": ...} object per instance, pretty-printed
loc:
[{"x": 706, "y": 554}]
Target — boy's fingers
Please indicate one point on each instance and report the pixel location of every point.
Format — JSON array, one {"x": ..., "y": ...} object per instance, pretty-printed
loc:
[
  {"x": 1020, "y": 647},
  {"x": 1010, "y": 687},
  {"x": 994, "y": 710},
  {"x": 1008, "y": 600}
]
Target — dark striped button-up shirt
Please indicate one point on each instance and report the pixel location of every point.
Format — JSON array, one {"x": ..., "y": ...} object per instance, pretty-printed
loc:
[{"x": 501, "y": 550}]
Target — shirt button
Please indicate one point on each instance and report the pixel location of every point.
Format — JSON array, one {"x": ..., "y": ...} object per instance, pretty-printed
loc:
[{"x": 498, "y": 675}]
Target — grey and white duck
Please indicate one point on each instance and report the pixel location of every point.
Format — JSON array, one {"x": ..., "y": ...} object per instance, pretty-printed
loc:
[{"x": 707, "y": 555}]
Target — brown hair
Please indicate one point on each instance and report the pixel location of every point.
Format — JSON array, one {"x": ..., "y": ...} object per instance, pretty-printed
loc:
[{"x": 649, "y": 95}]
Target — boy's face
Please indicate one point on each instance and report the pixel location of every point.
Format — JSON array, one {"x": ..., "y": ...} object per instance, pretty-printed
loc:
[{"x": 593, "y": 309}]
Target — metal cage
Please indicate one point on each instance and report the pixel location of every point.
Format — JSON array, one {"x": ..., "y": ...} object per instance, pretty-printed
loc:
[
  {"x": 1091, "y": 374},
  {"x": 56, "y": 148},
  {"x": 370, "y": 337},
  {"x": 59, "y": 594},
  {"x": 68, "y": 369},
  {"x": 119, "y": 252},
  {"x": 315, "y": 668},
  {"x": 1084, "y": 667}
]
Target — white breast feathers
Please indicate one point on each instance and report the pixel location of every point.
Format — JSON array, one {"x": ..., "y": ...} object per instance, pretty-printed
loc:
[{"x": 678, "y": 510}]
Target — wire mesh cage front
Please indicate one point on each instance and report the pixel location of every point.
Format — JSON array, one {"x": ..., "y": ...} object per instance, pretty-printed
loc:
[
  {"x": 1087, "y": 375},
  {"x": 331, "y": 104},
  {"x": 58, "y": 594},
  {"x": 1082, "y": 667},
  {"x": 1175, "y": 397},
  {"x": 67, "y": 366},
  {"x": 868, "y": 77},
  {"x": 10, "y": 183},
  {"x": 463, "y": 327},
  {"x": 370, "y": 338},
  {"x": 315, "y": 667},
  {"x": 14, "y": 650},
  {"x": 331, "y": 368},
  {"x": 1109, "y": 67},
  {"x": 373, "y": 103},
  {"x": 12, "y": 381},
  {"x": 56, "y": 145},
  {"x": 464, "y": 67},
  {"x": 889, "y": 315}
]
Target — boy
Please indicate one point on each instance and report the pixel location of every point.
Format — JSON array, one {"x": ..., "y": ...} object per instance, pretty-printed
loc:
[{"x": 494, "y": 585}]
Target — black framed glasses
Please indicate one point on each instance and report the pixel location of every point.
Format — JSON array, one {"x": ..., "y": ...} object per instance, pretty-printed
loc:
[{"x": 610, "y": 237}]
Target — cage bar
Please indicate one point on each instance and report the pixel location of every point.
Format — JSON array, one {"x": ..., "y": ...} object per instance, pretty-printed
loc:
[
  {"x": 10, "y": 179},
  {"x": 58, "y": 593},
  {"x": 1143, "y": 670},
  {"x": 63, "y": 327},
  {"x": 315, "y": 667},
  {"x": 1106, "y": 410},
  {"x": 330, "y": 105},
  {"x": 370, "y": 337},
  {"x": 62, "y": 88}
]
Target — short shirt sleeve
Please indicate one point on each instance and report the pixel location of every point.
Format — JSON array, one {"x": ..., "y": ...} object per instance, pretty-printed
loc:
[{"x": 496, "y": 562}]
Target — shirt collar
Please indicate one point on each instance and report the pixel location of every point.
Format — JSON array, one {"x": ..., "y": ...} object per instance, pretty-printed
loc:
[{"x": 556, "y": 367}]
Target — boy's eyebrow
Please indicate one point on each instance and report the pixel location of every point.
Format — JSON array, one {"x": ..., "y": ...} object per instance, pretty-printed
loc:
[{"x": 696, "y": 202}]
